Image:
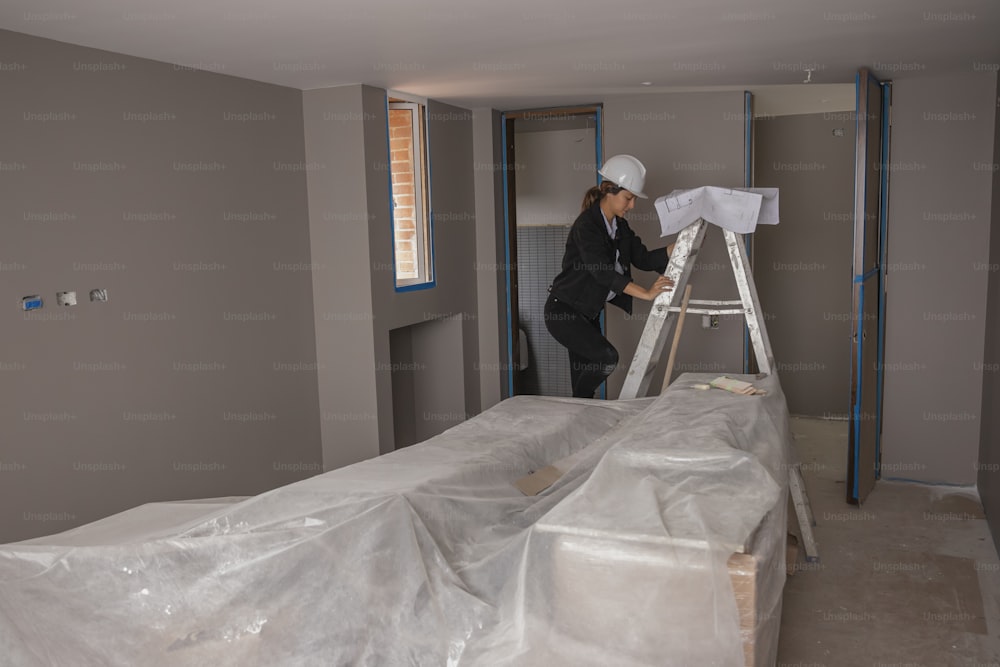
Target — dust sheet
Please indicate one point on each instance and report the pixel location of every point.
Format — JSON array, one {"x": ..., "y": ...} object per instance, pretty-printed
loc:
[{"x": 431, "y": 556}]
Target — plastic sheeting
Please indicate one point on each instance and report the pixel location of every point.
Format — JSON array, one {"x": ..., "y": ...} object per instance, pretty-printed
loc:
[{"x": 429, "y": 555}]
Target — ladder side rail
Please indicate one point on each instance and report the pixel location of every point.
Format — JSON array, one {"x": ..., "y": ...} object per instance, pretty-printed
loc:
[
  {"x": 660, "y": 320},
  {"x": 751, "y": 302}
]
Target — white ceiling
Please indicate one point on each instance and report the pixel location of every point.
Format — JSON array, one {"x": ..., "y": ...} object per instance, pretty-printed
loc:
[{"x": 519, "y": 54}]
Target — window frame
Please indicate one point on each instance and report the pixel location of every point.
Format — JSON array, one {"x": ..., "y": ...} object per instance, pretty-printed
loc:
[{"x": 423, "y": 217}]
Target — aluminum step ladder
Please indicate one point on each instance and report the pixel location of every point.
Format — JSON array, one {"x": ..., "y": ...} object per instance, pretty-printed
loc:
[
  {"x": 668, "y": 304},
  {"x": 661, "y": 320}
]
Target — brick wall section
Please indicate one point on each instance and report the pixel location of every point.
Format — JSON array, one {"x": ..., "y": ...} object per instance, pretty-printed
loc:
[{"x": 404, "y": 216}]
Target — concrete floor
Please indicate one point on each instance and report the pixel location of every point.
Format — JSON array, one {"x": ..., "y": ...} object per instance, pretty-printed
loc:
[{"x": 909, "y": 579}]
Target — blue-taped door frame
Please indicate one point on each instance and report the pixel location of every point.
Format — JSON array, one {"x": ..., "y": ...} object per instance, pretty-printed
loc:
[
  {"x": 749, "y": 363},
  {"x": 507, "y": 138},
  {"x": 868, "y": 336},
  {"x": 510, "y": 221}
]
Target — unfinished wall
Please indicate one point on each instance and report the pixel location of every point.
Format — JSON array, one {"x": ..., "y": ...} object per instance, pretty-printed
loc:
[
  {"x": 357, "y": 304},
  {"x": 338, "y": 225},
  {"x": 423, "y": 389},
  {"x": 941, "y": 178},
  {"x": 491, "y": 291},
  {"x": 802, "y": 266},
  {"x": 183, "y": 194},
  {"x": 988, "y": 477},
  {"x": 452, "y": 198},
  {"x": 555, "y": 167},
  {"x": 685, "y": 140}
]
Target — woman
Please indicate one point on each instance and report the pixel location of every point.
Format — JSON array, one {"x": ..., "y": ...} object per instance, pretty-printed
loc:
[{"x": 596, "y": 268}]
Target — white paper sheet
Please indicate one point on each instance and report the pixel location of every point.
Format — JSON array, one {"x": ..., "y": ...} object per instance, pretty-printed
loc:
[{"x": 737, "y": 209}]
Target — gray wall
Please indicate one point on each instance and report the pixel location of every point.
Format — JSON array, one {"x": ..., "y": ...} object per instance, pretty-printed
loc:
[
  {"x": 554, "y": 169},
  {"x": 404, "y": 423},
  {"x": 439, "y": 376},
  {"x": 989, "y": 441},
  {"x": 685, "y": 140},
  {"x": 489, "y": 265},
  {"x": 335, "y": 122},
  {"x": 425, "y": 392},
  {"x": 357, "y": 304},
  {"x": 452, "y": 195},
  {"x": 183, "y": 194},
  {"x": 939, "y": 216},
  {"x": 802, "y": 266}
]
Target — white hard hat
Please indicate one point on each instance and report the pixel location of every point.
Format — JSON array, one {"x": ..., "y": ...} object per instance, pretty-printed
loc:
[{"x": 627, "y": 172}]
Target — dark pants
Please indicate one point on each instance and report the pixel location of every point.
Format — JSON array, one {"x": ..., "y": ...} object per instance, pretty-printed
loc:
[{"x": 591, "y": 356}]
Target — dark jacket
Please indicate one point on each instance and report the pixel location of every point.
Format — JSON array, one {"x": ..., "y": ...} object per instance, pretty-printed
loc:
[{"x": 588, "y": 266}]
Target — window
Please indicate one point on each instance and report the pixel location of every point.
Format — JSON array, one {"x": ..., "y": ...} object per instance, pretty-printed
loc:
[{"x": 412, "y": 240}]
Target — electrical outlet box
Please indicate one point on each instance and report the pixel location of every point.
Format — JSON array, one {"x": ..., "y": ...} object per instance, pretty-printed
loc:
[
  {"x": 33, "y": 302},
  {"x": 66, "y": 298}
]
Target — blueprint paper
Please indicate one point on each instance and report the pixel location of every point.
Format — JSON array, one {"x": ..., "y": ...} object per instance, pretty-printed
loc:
[
  {"x": 768, "y": 205},
  {"x": 739, "y": 210}
]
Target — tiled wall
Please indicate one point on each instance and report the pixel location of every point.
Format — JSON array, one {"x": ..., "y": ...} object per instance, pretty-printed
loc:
[{"x": 539, "y": 255}]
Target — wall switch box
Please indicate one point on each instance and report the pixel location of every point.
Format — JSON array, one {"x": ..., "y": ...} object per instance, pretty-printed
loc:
[
  {"x": 31, "y": 302},
  {"x": 100, "y": 295},
  {"x": 66, "y": 298}
]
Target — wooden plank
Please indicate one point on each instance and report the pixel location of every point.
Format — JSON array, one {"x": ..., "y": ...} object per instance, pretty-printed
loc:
[
  {"x": 803, "y": 512},
  {"x": 677, "y": 338},
  {"x": 743, "y": 576}
]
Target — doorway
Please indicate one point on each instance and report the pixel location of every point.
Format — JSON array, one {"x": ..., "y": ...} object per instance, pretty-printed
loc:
[
  {"x": 804, "y": 146},
  {"x": 551, "y": 158},
  {"x": 821, "y": 272}
]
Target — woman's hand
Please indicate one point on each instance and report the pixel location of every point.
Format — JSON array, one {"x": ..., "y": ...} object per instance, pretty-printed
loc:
[{"x": 661, "y": 285}]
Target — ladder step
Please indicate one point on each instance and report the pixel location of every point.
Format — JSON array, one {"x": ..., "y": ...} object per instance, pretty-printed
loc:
[
  {"x": 710, "y": 302},
  {"x": 710, "y": 311}
]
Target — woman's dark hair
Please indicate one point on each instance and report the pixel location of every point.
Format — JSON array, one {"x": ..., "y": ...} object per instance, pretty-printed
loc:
[{"x": 597, "y": 192}]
